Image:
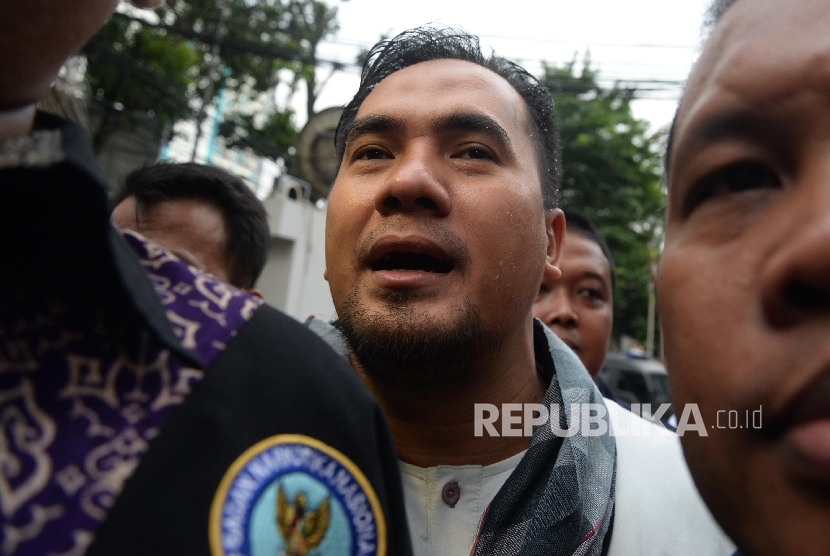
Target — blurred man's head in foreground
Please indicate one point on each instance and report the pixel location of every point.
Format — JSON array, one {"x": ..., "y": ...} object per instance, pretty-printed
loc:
[
  {"x": 36, "y": 38},
  {"x": 744, "y": 282}
]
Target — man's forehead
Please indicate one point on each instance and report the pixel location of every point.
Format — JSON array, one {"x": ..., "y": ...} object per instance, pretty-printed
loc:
[
  {"x": 752, "y": 42},
  {"x": 578, "y": 244},
  {"x": 752, "y": 35},
  {"x": 480, "y": 87}
]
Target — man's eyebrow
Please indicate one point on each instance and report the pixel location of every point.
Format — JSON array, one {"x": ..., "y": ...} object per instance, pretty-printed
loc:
[
  {"x": 596, "y": 276},
  {"x": 373, "y": 124},
  {"x": 742, "y": 124},
  {"x": 471, "y": 121}
]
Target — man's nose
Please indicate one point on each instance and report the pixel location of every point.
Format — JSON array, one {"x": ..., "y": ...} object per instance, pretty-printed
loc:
[
  {"x": 555, "y": 308},
  {"x": 795, "y": 281},
  {"x": 416, "y": 183}
]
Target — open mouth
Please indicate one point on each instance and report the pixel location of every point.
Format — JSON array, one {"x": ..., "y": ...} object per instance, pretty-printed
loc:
[{"x": 417, "y": 262}]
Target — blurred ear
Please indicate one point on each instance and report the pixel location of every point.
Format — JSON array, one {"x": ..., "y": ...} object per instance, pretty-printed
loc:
[
  {"x": 256, "y": 293},
  {"x": 555, "y": 231}
]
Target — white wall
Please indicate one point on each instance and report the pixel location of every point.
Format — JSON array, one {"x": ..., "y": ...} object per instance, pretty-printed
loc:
[{"x": 292, "y": 280}]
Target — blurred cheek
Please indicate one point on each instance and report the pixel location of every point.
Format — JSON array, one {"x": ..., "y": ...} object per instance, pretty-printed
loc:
[
  {"x": 676, "y": 314},
  {"x": 341, "y": 242}
]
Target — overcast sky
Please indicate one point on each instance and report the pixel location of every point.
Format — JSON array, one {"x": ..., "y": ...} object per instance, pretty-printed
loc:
[{"x": 648, "y": 42}]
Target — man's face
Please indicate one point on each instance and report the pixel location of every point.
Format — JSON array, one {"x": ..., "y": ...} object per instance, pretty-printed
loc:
[
  {"x": 192, "y": 230},
  {"x": 744, "y": 283},
  {"x": 36, "y": 38},
  {"x": 435, "y": 223},
  {"x": 578, "y": 307}
]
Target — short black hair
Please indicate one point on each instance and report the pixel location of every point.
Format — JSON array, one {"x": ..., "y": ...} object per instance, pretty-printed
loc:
[
  {"x": 428, "y": 43},
  {"x": 580, "y": 224},
  {"x": 245, "y": 217},
  {"x": 713, "y": 14}
]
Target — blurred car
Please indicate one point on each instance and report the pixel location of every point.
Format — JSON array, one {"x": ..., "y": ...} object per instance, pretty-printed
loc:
[{"x": 634, "y": 380}]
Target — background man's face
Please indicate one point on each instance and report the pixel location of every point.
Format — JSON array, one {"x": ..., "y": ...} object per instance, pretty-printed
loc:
[
  {"x": 744, "y": 283},
  {"x": 436, "y": 215},
  {"x": 192, "y": 230},
  {"x": 578, "y": 307}
]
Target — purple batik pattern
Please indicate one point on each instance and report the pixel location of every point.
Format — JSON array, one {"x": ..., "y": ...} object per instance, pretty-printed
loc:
[
  {"x": 205, "y": 312},
  {"x": 82, "y": 396}
]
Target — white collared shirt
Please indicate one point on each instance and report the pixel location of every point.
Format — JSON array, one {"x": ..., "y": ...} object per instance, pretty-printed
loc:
[{"x": 438, "y": 529}]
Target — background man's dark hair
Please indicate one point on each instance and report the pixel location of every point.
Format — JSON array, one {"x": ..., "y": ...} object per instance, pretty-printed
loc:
[
  {"x": 582, "y": 225},
  {"x": 713, "y": 15},
  {"x": 424, "y": 44},
  {"x": 715, "y": 12},
  {"x": 246, "y": 221}
]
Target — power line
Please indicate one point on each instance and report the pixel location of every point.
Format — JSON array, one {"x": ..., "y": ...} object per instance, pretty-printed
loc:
[
  {"x": 279, "y": 52},
  {"x": 618, "y": 72},
  {"x": 362, "y": 44}
]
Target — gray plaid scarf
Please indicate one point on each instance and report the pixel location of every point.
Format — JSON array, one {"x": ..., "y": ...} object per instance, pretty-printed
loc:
[{"x": 560, "y": 498}]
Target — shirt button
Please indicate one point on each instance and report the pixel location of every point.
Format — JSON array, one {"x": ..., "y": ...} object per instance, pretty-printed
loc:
[{"x": 451, "y": 494}]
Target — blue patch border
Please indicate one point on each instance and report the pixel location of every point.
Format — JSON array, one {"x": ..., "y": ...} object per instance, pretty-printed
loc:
[{"x": 241, "y": 464}]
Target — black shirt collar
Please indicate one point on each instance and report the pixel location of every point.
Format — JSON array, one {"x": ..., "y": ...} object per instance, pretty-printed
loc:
[{"x": 55, "y": 230}]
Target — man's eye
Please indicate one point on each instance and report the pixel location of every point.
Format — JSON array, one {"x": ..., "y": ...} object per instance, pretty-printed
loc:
[
  {"x": 371, "y": 153},
  {"x": 592, "y": 294},
  {"x": 737, "y": 178},
  {"x": 476, "y": 153}
]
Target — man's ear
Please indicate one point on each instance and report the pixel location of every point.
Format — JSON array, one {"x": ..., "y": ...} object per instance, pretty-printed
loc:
[
  {"x": 256, "y": 293},
  {"x": 326, "y": 274},
  {"x": 555, "y": 232}
]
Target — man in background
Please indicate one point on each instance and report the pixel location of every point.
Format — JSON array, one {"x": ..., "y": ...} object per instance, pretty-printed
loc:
[
  {"x": 744, "y": 282},
  {"x": 206, "y": 216},
  {"x": 147, "y": 406},
  {"x": 579, "y": 305}
]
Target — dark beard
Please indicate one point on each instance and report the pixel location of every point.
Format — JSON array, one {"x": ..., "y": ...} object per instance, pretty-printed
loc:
[{"x": 403, "y": 349}]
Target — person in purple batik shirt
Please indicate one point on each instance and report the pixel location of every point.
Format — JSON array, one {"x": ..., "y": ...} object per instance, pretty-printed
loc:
[{"x": 147, "y": 407}]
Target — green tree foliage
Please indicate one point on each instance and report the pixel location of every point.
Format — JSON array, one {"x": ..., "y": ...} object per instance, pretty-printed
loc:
[
  {"x": 271, "y": 136},
  {"x": 612, "y": 174},
  {"x": 189, "y": 50},
  {"x": 306, "y": 23},
  {"x": 311, "y": 21},
  {"x": 257, "y": 39},
  {"x": 136, "y": 69}
]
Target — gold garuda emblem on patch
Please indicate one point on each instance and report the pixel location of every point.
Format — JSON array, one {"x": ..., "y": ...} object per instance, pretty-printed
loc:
[
  {"x": 302, "y": 528},
  {"x": 291, "y": 495}
]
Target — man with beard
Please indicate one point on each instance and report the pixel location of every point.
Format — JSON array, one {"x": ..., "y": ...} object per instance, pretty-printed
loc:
[
  {"x": 744, "y": 281},
  {"x": 441, "y": 224}
]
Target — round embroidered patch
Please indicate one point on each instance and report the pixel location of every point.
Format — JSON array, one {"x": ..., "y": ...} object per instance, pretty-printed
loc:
[{"x": 293, "y": 495}]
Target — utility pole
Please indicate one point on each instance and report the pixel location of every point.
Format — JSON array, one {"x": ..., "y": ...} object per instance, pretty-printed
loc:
[
  {"x": 212, "y": 69},
  {"x": 651, "y": 310}
]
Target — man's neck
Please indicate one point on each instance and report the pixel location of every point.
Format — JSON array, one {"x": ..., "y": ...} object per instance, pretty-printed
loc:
[
  {"x": 437, "y": 428},
  {"x": 16, "y": 122}
]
